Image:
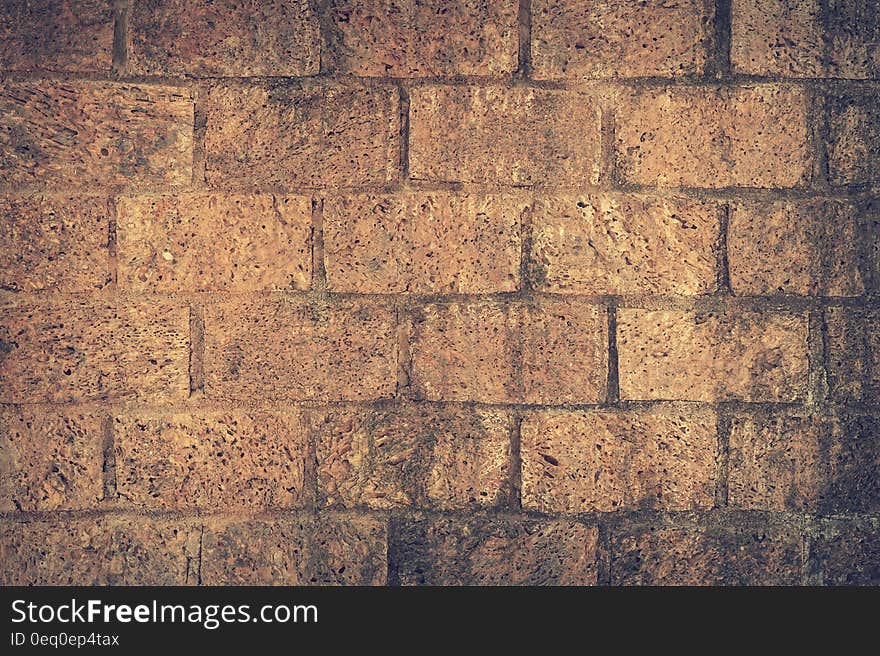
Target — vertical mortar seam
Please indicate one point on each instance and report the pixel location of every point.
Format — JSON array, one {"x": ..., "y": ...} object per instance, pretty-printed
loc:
[{"x": 524, "y": 40}]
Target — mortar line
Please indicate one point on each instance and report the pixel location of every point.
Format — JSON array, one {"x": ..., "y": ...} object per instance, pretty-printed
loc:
[
  {"x": 196, "y": 350},
  {"x": 722, "y": 480},
  {"x": 392, "y": 568},
  {"x": 719, "y": 66},
  {"x": 404, "y": 133},
  {"x": 524, "y": 40},
  {"x": 319, "y": 271},
  {"x": 723, "y": 283},
  {"x": 200, "y": 134},
  {"x": 404, "y": 354},
  {"x": 818, "y": 370},
  {"x": 108, "y": 467},
  {"x": 112, "y": 244},
  {"x": 603, "y": 553},
  {"x": 515, "y": 478},
  {"x": 121, "y": 11},
  {"x": 612, "y": 389}
]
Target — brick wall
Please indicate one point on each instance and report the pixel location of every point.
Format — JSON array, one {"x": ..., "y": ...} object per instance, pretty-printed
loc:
[{"x": 471, "y": 291}]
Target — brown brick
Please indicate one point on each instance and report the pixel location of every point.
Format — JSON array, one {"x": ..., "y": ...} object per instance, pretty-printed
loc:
[
  {"x": 440, "y": 457},
  {"x": 75, "y": 349},
  {"x": 419, "y": 242},
  {"x": 601, "y": 461},
  {"x": 283, "y": 348},
  {"x": 495, "y": 551},
  {"x": 209, "y": 242},
  {"x": 714, "y": 137},
  {"x": 56, "y": 35},
  {"x": 743, "y": 355},
  {"x": 614, "y": 38},
  {"x": 418, "y": 38},
  {"x": 223, "y": 38},
  {"x": 104, "y": 551},
  {"x": 808, "y": 248},
  {"x": 854, "y": 134},
  {"x": 854, "y": 38},
  {"x": 100, "y": 134},
  {"x": 50, "y": 460},
  {"x": 852, "y": 344},
  {"x": 847, "y": 554},
  {"x": 54, "y": 242},
  {"x": 624, "y": 244},
  {"x": 714, "y": 556},
  {"x": 519, "y": 135},
  {"x": 301, "y": 134},
  {"x": 213, "y": 460},
  {"x": 294, "y": 552},
  {"x": 468, "y": 352}
]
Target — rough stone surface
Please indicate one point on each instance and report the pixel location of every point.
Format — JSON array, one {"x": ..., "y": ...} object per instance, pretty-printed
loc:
[
  {"x": 614, "y": 38},
  {"x": 518, "y": 135},
  {"x": 223, "y": 38},
  {"x": 847, "y": 554},
  {"x": 100, "y": 134},
  {"x": 281, "y": 348},
  {"x": 440, "y": 457},
  {"x": 624, "y": 244},
  {"x": 714, "y": 137},
  {"x": 77, "y": 349},
  {"x": 212, "y": 242},
  {"x": 50, "y": 460},
  {"x": 495, "y": 551},
  {"x": 744, "y": 355},
  {"x": 418, "y": 38},
  {"x": 602, "y": 461},
  {"x": 854, "y": 135},
  {"x": 852, "y": 344},
  {"x": 301, "y": 134},
  {"x": 426, "y": 243},
  {"x": 54, "y": 242}
]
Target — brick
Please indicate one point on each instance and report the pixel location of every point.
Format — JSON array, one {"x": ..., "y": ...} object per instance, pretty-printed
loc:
[
  {"x": 610, "y": 38},
  {"x": 854, "y": 132},
  {"x": 415, "y": 38},
  {"x": 301, "y": 134},
  {"x": 853, "y": 30},
  {"x": 225, "y": 38},
  {"x": 847, "y": 554},
  {"x": 852, "y": 343},
  {"x": 690, "y": 356},
  {"x": 294, "y": 552},
  {"x": 433, "y": 457},
  {"x": 282, "y": 348},
  {"x": 494, "y": 551},
  {"x": 624, "y": 244},
  {"x": 754, "y": 136},
  {"x": 50, "y": 460},
  {"x": 104, "y": 551},
  {"x": 54, "y": 242},
  {"x": 212, "y": 242},
  {"x": 77, "y": 349},
  {"x": 55, "y": 35},
  {"x": 706, "y": 556},
  {"x": 233, "y": 459},
  {"x": 602, "y": 461},
  {"x": 426, "y": 243},
  {"x": 552, "y": 351},
  {"x": 807, "y": 248},
  {"x": 101, "y": 134},
  {"x": 518, "y": 135}
]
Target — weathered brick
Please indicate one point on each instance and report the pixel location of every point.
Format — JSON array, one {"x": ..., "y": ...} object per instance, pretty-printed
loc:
[
  {"x": 754, "y": 136},
  {"x": 75, "y": 349},
  {"x": 223, "y": 38},
  {"x": 217, "y": 460},
  {"x": 494, "y": 551},
  {"x": 440, "y": 457},
  {"x": 854, "y": 135},
  {"x": 852, "y": 344},
  {"x": 54, "y": 242},
  {"x": 422, "y": 243},
  {"x": 601, "y": 461},
  {"x": 283, "y": 348},
  {"x": 56, "y": 35},
  {"x": 50, "y": 460},
  {"x": 547, "y": 352},
  {"x": 301, "y": 134},
  {"x": 418, "y": 38},
  {"x": 294, "y": 552},
  {"x": 854, "y": 38},
  {"x": 624, "y": 244},
  {"x": 701, "y": 556},
  {"x": 745, "y": 355},
  {"x": 513, "y": 135},
  {"x": 614, "y": 38},
  {"x": 106, "y": 551},
  {"x": 847, "y": 554},
  {"x": 209, "y": 242},
  {"x": 99, "y": 134},
  {"x": 808, "y": 248}
]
